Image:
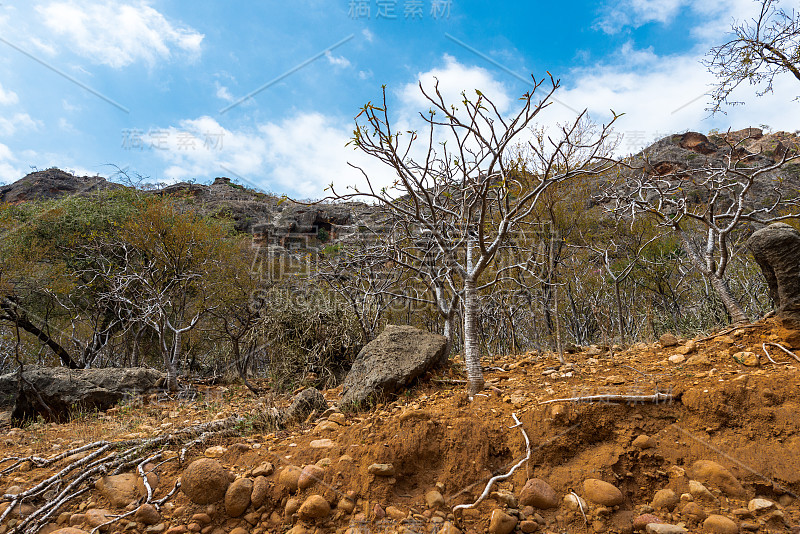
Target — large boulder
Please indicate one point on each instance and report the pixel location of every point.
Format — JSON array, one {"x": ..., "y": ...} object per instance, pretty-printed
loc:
[
  {"x": 53, "y": 392},
  {"x": 393, "y": 360},
  {"x": 776, "y": 249}
]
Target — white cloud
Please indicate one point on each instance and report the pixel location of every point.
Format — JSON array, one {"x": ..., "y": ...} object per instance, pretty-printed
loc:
[
  {"x": 48, "y": 49},
  {"x": 10, "y": 171},
  {"x": 300, "y": 155},
  {"x": 116, "y": 34},
  {"x": 453, "y": 79},
  {"x": 712, "y": 17},
  {"x": 666, "y": 95},
  {"x": 7, "y": 97},
  {"x": 636, "y": 13},
  {"x": 304, "y": 152},
  {"x": 368, "y": 35},
  {"x": 339, "y": 61},
  {"x": 69, "y": 106},
  {"x": 223, "y": 93},
  {"x": 19, "y": 121}
]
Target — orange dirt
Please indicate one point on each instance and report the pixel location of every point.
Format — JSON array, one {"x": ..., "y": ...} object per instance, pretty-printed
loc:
[{"x": 745, "y": 418}]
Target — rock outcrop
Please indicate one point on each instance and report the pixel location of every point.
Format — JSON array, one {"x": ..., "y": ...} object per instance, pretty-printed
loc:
[
  {"x": 54, "y": 392},
  {"x": 393, "y": 360},
  {"x": 50, "y": 184},
  {"x": 776, "y": 249}
]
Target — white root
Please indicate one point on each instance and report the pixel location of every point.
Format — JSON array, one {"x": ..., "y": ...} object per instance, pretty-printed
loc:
[
  {"x": 764, "y": 347},
  {"x": 784, "y": 349},
  {"x": 578, "y": 501},
  {"x": 77, "y": 477},
  {"x": 145, "y": 481},
  {"x": 656, "y": 398},
  {"x": 498, "y": 478}
]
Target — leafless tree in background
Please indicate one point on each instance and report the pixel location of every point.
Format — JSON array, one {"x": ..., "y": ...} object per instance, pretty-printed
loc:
[
  {"x": 705, "y": 207},
  {"x": 762, "y": 48}
]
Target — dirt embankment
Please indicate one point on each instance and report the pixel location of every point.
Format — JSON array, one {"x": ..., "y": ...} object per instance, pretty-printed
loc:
[{"x": 719, "y": 452}]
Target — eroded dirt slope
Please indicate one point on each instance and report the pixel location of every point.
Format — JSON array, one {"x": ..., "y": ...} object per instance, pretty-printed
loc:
[{"x": 722, "y": 444}]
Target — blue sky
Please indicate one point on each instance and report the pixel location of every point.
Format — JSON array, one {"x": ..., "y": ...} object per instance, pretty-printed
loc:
[{"x": 154, "y": 87}]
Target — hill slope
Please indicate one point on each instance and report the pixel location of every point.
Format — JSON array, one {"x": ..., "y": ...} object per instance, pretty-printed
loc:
[{"x": 721, "y": 453}]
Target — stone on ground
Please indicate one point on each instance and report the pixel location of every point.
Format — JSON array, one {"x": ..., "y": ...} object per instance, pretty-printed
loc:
[
  {"x": 310, "y": 475},
  {"x": 260, "y": 491},
  {"x": 710, "y": 472},
  {"x": 601, "y": 492},
  {"x": 393, "y": 360},
  {"x": 119, "y": 490},
  {"x": 665, "y": 499},
  {"x": 314, "y": 507},
  {"x": 289, "y": 477},
  {"x": 381, "y": 470},
  {"x": 539, "y": 494},
  {"x": 501, "y": 523},
  {"x": 147, "y": 514},
  {"x": 237, "y": 498},
  {"x": 205, "y": 481},
  {"x": 719, "y": 524},
  {"x": 303, "y": 404}
]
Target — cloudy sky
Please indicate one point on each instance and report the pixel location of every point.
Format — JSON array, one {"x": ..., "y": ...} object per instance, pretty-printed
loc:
[{"x": 265, "y": 92}]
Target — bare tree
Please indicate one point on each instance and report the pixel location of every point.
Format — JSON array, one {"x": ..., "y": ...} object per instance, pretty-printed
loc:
[
  {"x": 620, "y": 258},
  {"x": 463, "y": 189},
  {"x": 762, "y": 48},
  {"x": 358, "y": 269},
  {"x": 705, "y": 206}
]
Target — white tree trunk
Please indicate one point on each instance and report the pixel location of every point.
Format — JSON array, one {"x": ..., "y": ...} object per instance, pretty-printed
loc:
[
  {"x": 448, "y": 333},
  {"x": 172, "y": 363},
  {"x": 472, "y": 349}
]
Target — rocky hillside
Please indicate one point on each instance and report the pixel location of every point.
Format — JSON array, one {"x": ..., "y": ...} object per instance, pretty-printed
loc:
[
  {"x": 266, "y": 216},
  {"x": 281, "y": 222},
  {"x": 50, "y": 184},
  {"x": 678, "y": 436}
]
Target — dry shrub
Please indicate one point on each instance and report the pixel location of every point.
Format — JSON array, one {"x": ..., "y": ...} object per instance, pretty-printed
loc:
[{"x": 304, "y": 336}]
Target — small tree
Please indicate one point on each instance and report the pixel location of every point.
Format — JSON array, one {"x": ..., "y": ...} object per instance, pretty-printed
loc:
[
  {"x": 463, "y": 190},
  {"x": 761, "y": 49}
]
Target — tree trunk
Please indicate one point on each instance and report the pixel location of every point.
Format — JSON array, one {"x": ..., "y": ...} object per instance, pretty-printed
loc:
[
  {"x": 172, "y": 363},
  {"x": 448, "y": 333},
  {"x": 732, "y": 306},
  {"x": 472, "y": 347},
  {"x": 620, "y": 317},
  {"x": 13, "y": 314}
]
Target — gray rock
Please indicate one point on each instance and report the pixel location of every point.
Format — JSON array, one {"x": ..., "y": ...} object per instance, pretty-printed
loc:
[
  {"x": 776, "y": 249},
  {"x": 63, "y": 390},
  {"x": 305, "y": 402},
  {"x": 52, "y": 183},
  {"x": 393, "y": 360}
]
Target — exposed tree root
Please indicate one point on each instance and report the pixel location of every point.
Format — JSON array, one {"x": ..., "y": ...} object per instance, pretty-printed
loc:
[
  {"x": 784, "y": 349},
  {"x": 657, "y": 398},
  {"x": 79, "y": 476},
  {"x": 498, "y": 478},
  {"x": 728, "y": 331}
]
